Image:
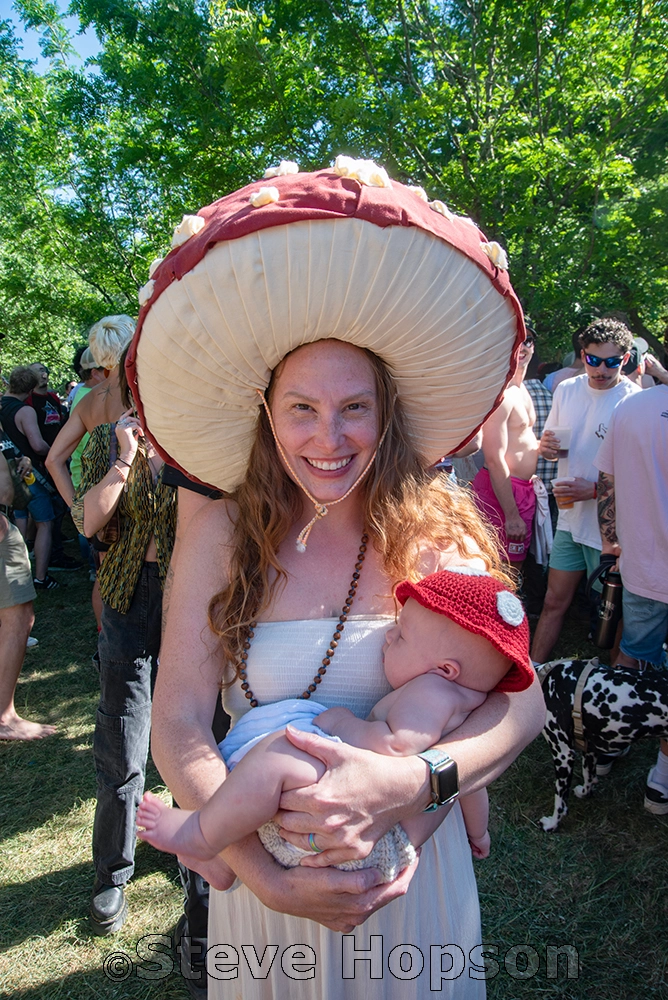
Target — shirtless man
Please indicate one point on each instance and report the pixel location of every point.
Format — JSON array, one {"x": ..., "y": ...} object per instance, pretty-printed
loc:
[
  {"x": 102, "y": 405},
  {"x": 503, "y": 488}
]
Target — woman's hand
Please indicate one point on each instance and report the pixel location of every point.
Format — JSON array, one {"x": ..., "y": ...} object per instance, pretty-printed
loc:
[
  {"x": 358, "y": 799},
  {"x": 101, "y": 500},
  {"x": 339, "y": 900},
  {"x": 128, "y": 432},
  {"x": 24, "y": 466}
]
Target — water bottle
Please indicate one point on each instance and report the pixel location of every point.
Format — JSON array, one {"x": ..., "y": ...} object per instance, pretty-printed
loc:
[{"x": 609, "y": 611}]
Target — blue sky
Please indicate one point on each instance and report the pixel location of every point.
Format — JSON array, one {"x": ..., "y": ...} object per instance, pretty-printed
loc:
[{"x": 85, "y": 44}]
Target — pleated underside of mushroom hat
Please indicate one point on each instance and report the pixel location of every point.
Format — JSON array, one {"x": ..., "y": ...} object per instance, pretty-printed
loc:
[{"x": 328, "y": 258}]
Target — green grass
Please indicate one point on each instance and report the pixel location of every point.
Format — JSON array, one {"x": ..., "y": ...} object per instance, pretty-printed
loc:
[{"x": 598, "y": 884}]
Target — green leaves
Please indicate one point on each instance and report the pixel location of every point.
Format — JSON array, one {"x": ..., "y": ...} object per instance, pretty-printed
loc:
[{"x": 547, "y": 122}]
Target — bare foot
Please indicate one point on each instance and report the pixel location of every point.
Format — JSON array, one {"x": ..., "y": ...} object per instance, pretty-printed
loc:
[
  {"x": 16, "y": 728},
  {"x": 176, "y": 831}
]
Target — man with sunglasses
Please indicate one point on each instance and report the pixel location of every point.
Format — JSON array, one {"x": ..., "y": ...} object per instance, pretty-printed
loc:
[{"x": 585, "y": 405}]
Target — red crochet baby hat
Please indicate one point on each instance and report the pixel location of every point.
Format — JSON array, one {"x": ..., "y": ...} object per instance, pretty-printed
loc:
[{"x": 479, "y": 603}]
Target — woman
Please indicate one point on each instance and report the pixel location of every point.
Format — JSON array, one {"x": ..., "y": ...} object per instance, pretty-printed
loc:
[
  {"x": 108, "y": 340},
  {"x": 301, "y": 295},
  {"x": 122, "y": 473}
]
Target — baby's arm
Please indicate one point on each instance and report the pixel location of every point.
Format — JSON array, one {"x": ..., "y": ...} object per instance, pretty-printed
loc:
[
  {"x": 419, "y": 713},
  {"x": 475, "y": 809},
  {"x": 247, "y": 799}
]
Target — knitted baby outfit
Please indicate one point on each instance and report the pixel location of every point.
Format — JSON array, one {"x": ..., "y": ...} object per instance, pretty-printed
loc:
[{"x": 390, "y": 855}]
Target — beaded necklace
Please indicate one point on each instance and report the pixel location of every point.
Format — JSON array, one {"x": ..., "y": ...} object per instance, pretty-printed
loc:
[{"x": 331, "y": 649}]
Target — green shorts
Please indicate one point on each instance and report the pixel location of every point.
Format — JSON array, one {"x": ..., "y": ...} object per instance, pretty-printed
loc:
[
  {"x": 573, "y": 557},
  {"x": 16, "y": 585}
]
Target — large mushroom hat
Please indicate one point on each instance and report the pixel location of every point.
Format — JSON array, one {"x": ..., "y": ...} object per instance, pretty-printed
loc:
[{"x": 343, "y": 253}]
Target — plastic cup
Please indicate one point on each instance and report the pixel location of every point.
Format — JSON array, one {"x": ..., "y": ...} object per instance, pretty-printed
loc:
[
  {"x": 564, "y": 501},
  {"x": 564, "y": 435}
]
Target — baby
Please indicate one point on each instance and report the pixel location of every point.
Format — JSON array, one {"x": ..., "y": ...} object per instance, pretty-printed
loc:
[{"x": 438, "y": 677}]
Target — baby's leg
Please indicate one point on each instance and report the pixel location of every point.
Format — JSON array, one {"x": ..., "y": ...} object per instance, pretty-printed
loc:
[
  {"x": 178, "y": 832},
  {"x": 249, "y": 796},
  {"x": 246, "y": 800},
  {"x": 174, "y": 830}
]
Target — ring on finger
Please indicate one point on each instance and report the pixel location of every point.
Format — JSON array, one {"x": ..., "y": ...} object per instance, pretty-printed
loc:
[{"x": 312, "y": 844}]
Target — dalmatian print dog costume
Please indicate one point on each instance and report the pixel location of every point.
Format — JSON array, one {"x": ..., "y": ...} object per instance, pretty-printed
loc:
[{"x": 619, "y": 706}]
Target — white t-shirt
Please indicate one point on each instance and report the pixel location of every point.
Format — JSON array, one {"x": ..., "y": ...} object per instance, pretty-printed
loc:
[
  {"x": 587, "y": 412},
  {"x": 635, "y": 452}
]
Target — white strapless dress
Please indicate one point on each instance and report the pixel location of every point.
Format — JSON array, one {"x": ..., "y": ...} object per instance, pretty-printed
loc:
[{"x": 426, "y": 943}]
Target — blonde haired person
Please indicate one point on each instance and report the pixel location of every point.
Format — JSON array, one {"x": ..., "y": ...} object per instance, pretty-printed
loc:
[
  {"x": 351, "y": 305},
  {"x": 107, "y": 340}
]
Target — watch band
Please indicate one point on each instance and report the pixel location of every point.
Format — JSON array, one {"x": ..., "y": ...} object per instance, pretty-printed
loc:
[{"x": 441, "y": 766}]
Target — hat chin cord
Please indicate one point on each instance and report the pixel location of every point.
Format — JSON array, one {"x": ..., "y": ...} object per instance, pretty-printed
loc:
[{"x": 320, "y": 509}]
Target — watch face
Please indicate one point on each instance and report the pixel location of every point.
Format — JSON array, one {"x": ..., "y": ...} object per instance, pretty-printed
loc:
[{"x": 446, "y": 780}]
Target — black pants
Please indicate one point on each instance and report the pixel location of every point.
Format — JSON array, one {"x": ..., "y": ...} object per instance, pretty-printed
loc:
[{"x": 128, "y": 646}]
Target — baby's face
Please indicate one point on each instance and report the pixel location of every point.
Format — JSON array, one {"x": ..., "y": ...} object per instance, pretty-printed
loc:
[{"x": 414, "y": 645}]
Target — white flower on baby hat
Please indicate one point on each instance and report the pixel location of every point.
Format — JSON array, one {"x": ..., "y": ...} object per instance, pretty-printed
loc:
[
  {"x": 365, "y": 171},
  {"x": 509, "y": 607},
  {"x": 145, "y": 292},
  {"x": 189, "y": 226},
  {"x": 264, "y": 196},
  {"x": 284, "y": 167},
  {"x": 496, "y": 254},
  {"x": 154, "y": 265},
  {"x": 441, "y": 208}
]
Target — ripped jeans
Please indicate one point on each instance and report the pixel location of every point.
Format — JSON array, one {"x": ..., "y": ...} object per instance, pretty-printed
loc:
[{"x": 128, "y": 646}]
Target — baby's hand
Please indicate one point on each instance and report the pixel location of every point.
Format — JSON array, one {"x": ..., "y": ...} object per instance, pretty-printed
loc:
[
  {"x": 480, "y": 845},
  {"x": 332, "y": 719}
]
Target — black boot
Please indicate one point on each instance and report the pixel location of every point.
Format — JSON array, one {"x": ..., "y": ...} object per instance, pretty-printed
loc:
[{"x": 108, "y": 909}]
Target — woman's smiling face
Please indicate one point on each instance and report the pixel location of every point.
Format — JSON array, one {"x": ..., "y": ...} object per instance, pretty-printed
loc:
[{"x": 325, "y": 410}]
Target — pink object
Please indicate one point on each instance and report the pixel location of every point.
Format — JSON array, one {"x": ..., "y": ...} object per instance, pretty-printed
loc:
[{"x": 487, "y": 501}]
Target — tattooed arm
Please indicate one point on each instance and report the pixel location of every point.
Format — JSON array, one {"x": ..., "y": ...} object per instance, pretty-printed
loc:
[{"x": 607, "y": 517}]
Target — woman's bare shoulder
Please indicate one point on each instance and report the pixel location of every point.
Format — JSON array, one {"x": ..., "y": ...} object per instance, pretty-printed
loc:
[
  {"x": 209, "y": 538},
  {"x": 215, "y": 519}
]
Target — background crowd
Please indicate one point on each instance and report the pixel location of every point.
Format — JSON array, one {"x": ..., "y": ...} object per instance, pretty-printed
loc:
[{"x": 85, "y": 453}]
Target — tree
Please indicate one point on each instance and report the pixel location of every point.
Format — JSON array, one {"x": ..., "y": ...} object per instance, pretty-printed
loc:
[{"x": 547, "y": 122}]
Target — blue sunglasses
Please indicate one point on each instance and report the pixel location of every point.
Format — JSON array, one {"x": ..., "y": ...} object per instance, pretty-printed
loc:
[{"x": 595, "y": 361}]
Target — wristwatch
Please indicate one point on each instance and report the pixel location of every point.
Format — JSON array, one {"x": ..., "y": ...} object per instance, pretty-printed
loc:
[{"x": 444, "y": 778}]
